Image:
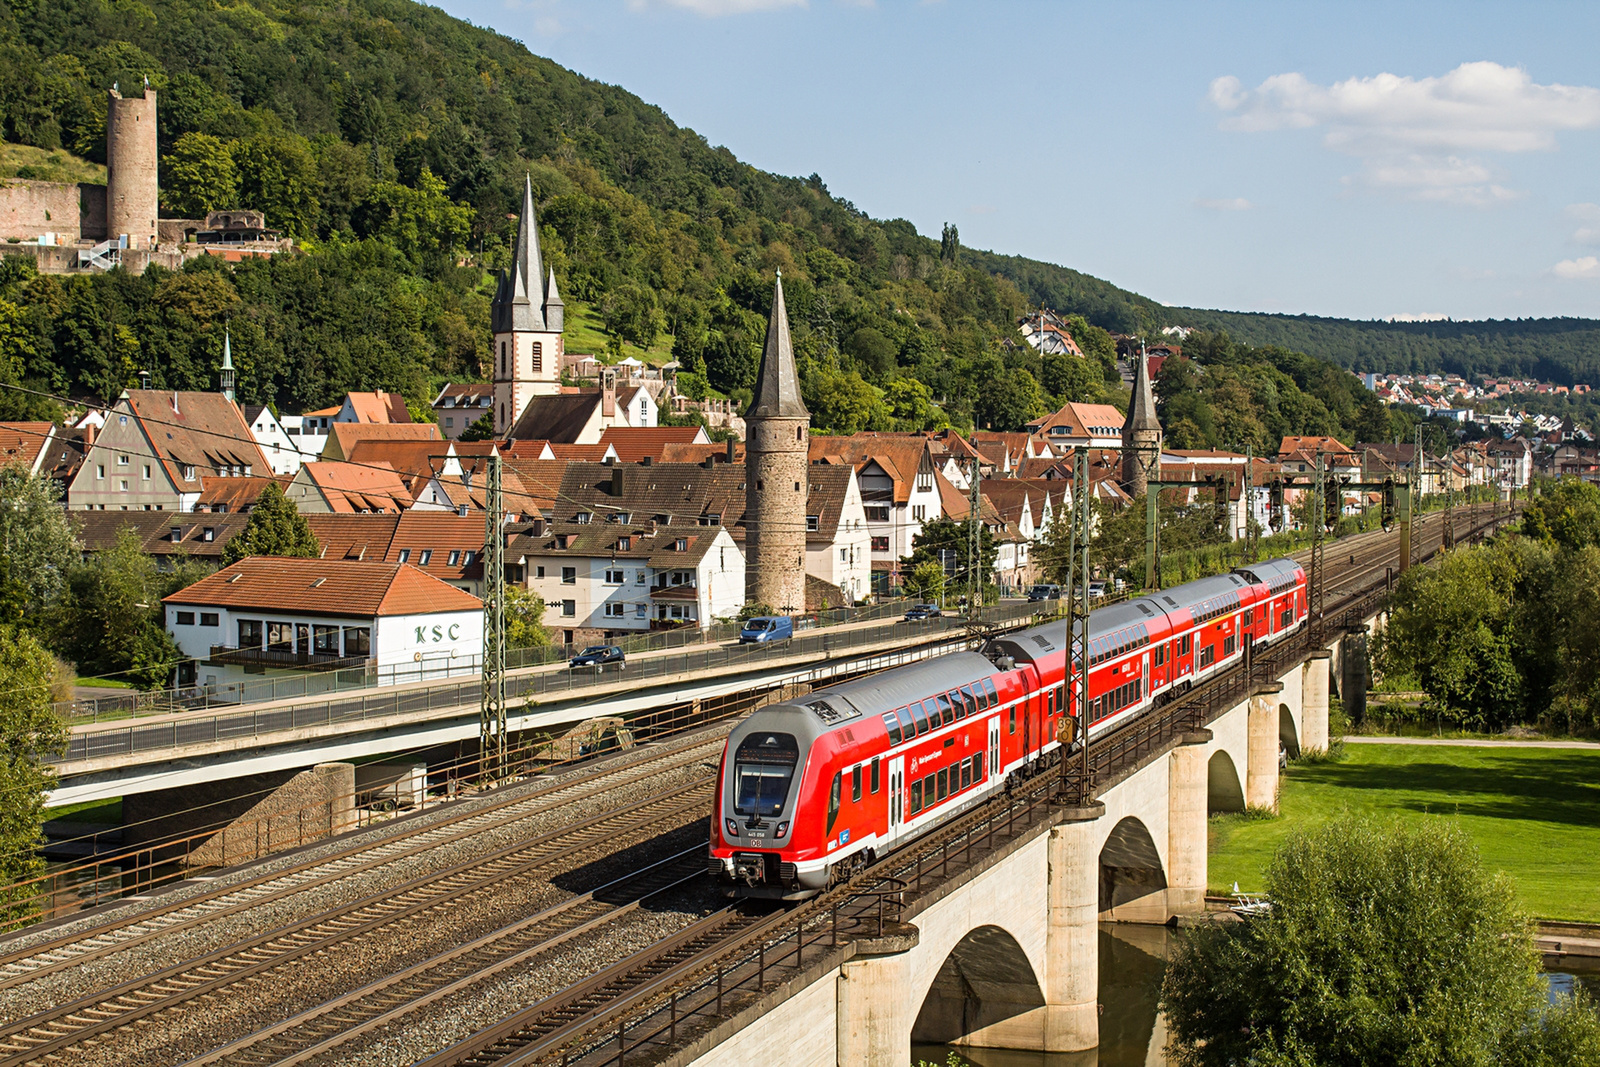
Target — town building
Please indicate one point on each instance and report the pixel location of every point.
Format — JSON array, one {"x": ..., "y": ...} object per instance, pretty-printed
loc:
[
  {"x": 1081, "y": 425},
  {"x": 1512, "y": 463},
  {"x": 1141, "y": 433},
  {"x": 155, "y": 448},
  {"x": 282, "y": 450},
  {"x": 349, "y": 488},
  {"x": 270, "y": 614},
  {"x": 343, "y": 437},
  {"x": 899, "y": 479},
  {"x": 460, "y": 405},
  {"x": 34, "y": 446}
]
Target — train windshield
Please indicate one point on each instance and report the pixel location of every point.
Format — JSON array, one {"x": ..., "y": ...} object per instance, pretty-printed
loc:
[{"x": 762, "y": 769}]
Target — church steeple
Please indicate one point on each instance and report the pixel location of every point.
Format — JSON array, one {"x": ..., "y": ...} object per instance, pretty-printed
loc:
[
  {"x": 519, "y": 302},
  {"x": 777, "y": 392},
  {"x": 527, "y": 317},
  {"x": 1141, "y": 432},
  {"x": 228, "y": 375}
]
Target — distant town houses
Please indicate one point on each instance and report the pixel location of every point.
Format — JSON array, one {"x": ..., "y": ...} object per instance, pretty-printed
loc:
[{"x": 1486, "y": 402}]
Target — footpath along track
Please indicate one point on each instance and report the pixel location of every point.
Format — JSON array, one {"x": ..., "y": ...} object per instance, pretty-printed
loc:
[
  {"x": 655, "y": 997},
  {"x": 388, "y": 913}
]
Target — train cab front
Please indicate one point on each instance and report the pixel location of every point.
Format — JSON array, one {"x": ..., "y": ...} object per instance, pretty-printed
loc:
[{"x": 752, "y": 840}]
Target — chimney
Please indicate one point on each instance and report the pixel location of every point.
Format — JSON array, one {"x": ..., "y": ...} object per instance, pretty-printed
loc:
[
  {"x": 175, "y": 410},
  {"x": 616, "y": 481},
  {"x": 608, "y": 393},
  {"x": 645, "y": 462},
  {"x": 730, "y": 449}
]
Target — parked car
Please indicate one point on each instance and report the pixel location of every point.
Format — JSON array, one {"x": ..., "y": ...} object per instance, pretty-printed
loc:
[
  {"x": 764, "y": 629},
  {"x": 599, "y": 657},
  {"x": 1045, "y": 591},
  {"x": 920, "y": 612},
  {"x": 1097, "y": 589}
]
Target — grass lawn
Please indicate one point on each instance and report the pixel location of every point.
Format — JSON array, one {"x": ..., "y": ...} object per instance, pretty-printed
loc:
[
  {"x": 25, "y": 161},
  {"x": 1534, "y": 813},
  {"x": 586, "y": 333}
]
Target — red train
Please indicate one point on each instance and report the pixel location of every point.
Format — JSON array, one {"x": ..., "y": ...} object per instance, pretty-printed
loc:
[{"x": 814, "y": 789}]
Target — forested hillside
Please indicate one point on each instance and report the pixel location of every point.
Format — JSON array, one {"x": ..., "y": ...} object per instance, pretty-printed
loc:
[{"x": 391, "y": 141}]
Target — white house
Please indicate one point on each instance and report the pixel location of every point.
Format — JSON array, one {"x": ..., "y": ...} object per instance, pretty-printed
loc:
[
  {"x": 308, "y": 433},
  {"x": 608, "y": 579},
  {"x": 271, "y": 615},
  {"x": 281, "y": 450},
  {"x": 838, "y": 543}
]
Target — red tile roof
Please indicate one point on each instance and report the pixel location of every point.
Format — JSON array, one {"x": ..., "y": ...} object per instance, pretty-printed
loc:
[
  {"x": 20, "y": 442},
  {"x": 343, "y": 436},
  {"x": 233, "y": 494},
  {"x": 205, "y": 431},
  {"x": 341, "y": 588},
  {"x": 349, "y": 487},
  {"x": 379, "y": 407},
  {"x": 634, "y": 443}
]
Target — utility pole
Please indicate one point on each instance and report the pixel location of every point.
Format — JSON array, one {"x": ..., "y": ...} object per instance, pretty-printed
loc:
[
  {"x": 1318, "y": 570},
  {"x": 1076, "y": 676},
  {"x": 1247, "y": 501},
  {"x": 492, "y": 706},
  {"x": 1152, "y": 510},
  {"x": 1418, "y": 459},
  {"x": 975, "y": 549}
]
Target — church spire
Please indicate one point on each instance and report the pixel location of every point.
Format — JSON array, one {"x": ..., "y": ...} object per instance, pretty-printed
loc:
[
  {"x": 228, "y": 375},
  {"x": 1142, "y": 412},
  {"x": 777, "y": 392},
  {"x": 519, "y": 300}
]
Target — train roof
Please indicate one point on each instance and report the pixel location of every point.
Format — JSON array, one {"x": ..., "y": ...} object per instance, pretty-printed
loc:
[
  {"x": 1270, "y": 571},
  {"x": 1190, "y": 594}
]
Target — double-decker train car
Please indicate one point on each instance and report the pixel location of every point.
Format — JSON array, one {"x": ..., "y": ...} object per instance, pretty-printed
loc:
[{"x": 812, "y": 790}]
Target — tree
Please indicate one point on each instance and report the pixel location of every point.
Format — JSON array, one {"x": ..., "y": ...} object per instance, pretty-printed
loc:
[
  {"x": 276, "y": 528},
  {"x": 112, "y": 604},
  {"x": 525, "y": 619},
  {"x": 38, "y": 542},
  {"x": 1009, "y": 400},
  {"x": 481, "y": 429},
  {"x": 925, "y": 581},
  {"x": 1385, "y": 944},
  {"x": 911, "y": 406},
  {"x": 631, "y": 313},
  {"x": 873, "y": 351},
  {"x": 843, "y": 403},
  {"x": 949, "y": 243},
  {"x": 423, "y": 223},
  {"x": 30, "y": 733},
  {"x": 199, "y": 176},
  {"x": 943, "y": 543},
  {"x": 278, "y": 175}
]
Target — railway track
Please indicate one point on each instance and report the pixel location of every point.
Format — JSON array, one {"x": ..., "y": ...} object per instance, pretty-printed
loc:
[
  {"x": 55, "y": 1031},
  {"x": 358, "y": 855}
]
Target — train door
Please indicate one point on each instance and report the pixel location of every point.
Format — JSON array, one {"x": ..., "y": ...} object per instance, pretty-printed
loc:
[
  {"x": 996, "y": 768},
  {"x": 897, "y": 785},
  {"x": 1146, "y": 680}
]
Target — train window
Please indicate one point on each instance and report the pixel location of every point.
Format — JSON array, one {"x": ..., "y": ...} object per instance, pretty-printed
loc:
[
  {"x": 1012, "y": 727},
  {"x": 892, "y": 724},
  {"x": 762, "y": 768},
  {"x": 969, "y": 700},
  {"x": 855, "y": 786},
  {"x": 916, "y": 796},
  {"x": 921, "y": 715},
  {"x": 874, "y": 777},
  {"x": 1159, "y": 656},
  {"x": 833, "y": 799},
  {"x": 908, "y": 729},
  {"x": 944, "y": 782},
  {"x": 977, "y": 767},
  {"x": 946, "y": 713},
  {"x": 990, "y": 696},
  {"x": 966, "y": 773},
  {"x": 1208, "y": 655},
  {"x": 927, "y": 790}
]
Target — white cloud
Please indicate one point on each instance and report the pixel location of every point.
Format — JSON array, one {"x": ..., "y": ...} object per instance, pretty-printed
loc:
[
  {"x": 1236, "y": 203},
  {"x": 981, "y": 209},
  {"x": 1588, "y": 218},
  {"x": 1418, "y": 135},
  {"x": 1584, "y": 267},
  {"x": 717, "y": 8}
]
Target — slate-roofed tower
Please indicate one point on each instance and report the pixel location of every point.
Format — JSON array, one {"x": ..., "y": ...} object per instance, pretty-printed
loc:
[
  {"x": 1141, "y": 431},
  {"x": 527, "y": 318},
  {"x": 777, "y": 447}
]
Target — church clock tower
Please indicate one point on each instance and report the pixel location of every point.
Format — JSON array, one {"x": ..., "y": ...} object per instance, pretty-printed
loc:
[{"x": 528, "y": 317}]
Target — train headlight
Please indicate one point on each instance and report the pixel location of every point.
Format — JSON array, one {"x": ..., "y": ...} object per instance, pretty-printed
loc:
[
  {"x": 731, "y": 826},
  {"x": 783, "y": 828}
]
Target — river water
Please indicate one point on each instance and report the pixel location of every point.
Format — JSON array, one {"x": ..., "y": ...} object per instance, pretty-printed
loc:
[{"x": 1132, "y": 960}]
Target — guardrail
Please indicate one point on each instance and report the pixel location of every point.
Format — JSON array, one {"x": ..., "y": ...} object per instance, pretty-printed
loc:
[{"x": 192, "y": 729}]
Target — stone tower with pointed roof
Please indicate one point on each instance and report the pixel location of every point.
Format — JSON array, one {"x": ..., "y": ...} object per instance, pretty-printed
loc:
[
  {"x": 527, "y": 317},
  {"x": 777, "y": 447},
  {"x": 1141, "y": 431}
]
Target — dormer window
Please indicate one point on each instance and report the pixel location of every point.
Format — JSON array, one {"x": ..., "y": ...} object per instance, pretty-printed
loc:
[
  {"x": 455, "y": 556},
  {"x": 427, "y": 554},
  {"x": 209, "y": 534},
  {"x": 681, "y": 545},
  {"x": 624, "y": 544},
  {"x": 582, "y": 518},
  {"x": 813, "y": 523},
  {"x": 405, "y": 555},
  {"x": 187, "y": 472}
]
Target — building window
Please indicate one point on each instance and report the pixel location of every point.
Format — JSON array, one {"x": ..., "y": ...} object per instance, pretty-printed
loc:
[
  {"x": 147, "y": 472},
  {"x": 813, "y": 523},
  {"x": 99, "y": 471},
  {"x": 569, "y": 609},
  {"x": 639, "y": 578},
  {"x": 405, "y": 555},
  {"x": 616, "y": 611},
  {"x": 569, "y": 576},
  {"x": 280, "y": 636},
  {"x": 250, "y": 632},
  {"x": 208, "y": 618},
  {"x": 640, "y": 611},
  {"x": 122, "y": 420},
  {"x": 681, "y": 545},
  {"x": 920, "y": 512},
  {"x": 122, "y": 485},
  {"x": 466, "y": 560},
  {"x": 880, "y": 544},
  {"x": 538, "y": 572},
  {"x": 502, "y": 359},
  {"x": 122, "y": 461},
  {"x": 455, "y": 556},
  {"x": 325, "y": 640},
  {"x": 357, "y": 641},
  {"x": 450, "y": 422},
  {"x": 538, "y": 357},
  {"x": 844, "y": 557},
  {"x": 614, "y": 577},
  {"x": 185, "y": 618},
  {"x": 624, "y": 544},
  {"x": 427, "y": 555},
  {"x": 878, "y": 513},
  {"x": 582, "y": 518}
]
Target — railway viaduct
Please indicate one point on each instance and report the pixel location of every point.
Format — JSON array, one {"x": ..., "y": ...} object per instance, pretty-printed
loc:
[{"x": 1007, "y": 955}]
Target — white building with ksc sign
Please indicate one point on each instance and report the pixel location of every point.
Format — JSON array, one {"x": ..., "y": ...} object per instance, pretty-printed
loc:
[{"x": 271, "y": 615}]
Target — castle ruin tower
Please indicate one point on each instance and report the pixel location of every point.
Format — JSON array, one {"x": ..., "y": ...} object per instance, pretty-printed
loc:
[
  {"x": 1141, "y": 431},
  {"x": 777, "y": 450},
  {"x": 527, "y": 318},
  {"x": 132, "y": 188}
]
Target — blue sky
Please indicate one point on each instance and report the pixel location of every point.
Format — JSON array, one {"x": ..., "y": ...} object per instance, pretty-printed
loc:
[{"x": 1355, "y": 159}]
